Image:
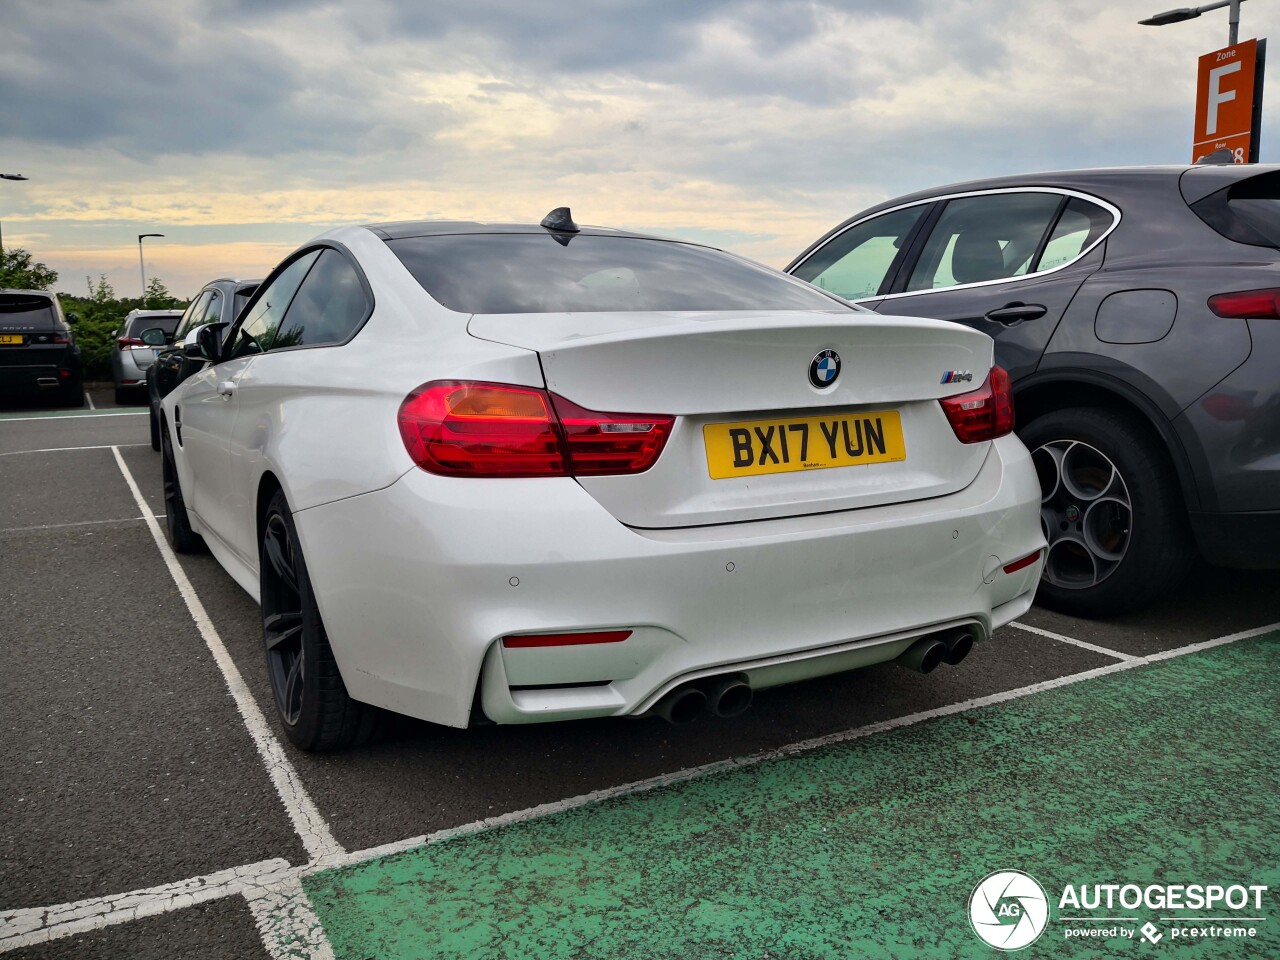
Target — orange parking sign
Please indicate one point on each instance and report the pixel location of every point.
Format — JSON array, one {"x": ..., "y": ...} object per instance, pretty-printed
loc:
[{"x": 1225, "y": 110}]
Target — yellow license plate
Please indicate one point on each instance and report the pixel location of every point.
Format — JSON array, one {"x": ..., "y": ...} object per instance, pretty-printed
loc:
[
  {"x": 755, "y": 447},
  {"x": 10, "y": 339}
]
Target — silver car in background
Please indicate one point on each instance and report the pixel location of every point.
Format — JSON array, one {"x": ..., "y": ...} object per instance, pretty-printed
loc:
[{"x": 134, "y": 352}]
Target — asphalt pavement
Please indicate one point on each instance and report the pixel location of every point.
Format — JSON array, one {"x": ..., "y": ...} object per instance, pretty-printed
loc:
[{"x": 132, "y": 766}]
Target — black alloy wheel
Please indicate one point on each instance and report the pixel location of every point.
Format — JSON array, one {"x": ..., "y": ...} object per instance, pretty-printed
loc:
[
  {"x": 1111, "y": 510},
  {"x": 315, "y": 709}
]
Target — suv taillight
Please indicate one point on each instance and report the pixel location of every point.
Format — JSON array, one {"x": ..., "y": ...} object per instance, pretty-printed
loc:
[
  {"x": 1247, "y": 304},
  {"x": 985, "y": 413},
  {"x": 124, "y": 343},
  {"x": 469, "y": 429}
]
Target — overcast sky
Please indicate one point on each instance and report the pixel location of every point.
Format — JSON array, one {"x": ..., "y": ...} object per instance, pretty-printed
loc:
[{"x": 241, "y": 128}]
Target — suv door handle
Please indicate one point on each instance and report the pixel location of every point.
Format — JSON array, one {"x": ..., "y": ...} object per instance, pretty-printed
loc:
[
  {"x": 1012, "y": 313},
  {"x": 226, "y": 388}
]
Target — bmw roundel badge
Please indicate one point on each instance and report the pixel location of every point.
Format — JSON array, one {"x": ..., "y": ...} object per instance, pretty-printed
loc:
[{"x": 824, "y": 368}]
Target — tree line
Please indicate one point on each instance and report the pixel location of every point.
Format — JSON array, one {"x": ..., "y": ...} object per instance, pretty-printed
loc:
[{"x": 94, "y": 316}]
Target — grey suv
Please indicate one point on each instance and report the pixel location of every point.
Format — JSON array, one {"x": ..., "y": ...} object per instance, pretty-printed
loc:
[{"x": 1138, "y": 313}]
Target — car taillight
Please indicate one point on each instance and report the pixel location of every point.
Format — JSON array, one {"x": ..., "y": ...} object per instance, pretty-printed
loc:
[
  {"x": 124, "y": 343},
  {"x": 468, "y": 429},
  {"x": 1247, "y": 304},
  {"x": 985, "y": 413},
  {"x": 610, "y": 443},
  {"x": 61, "y": 338}
]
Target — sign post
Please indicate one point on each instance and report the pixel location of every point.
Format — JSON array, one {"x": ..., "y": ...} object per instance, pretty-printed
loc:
[{"x": 1229, "y": 101}]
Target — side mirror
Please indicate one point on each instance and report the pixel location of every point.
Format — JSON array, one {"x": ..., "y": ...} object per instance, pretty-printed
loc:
[
  {"x": 204, "y": 343},
  {"x": 154, "y": 337},
  {"x": 72, "y": 317}
]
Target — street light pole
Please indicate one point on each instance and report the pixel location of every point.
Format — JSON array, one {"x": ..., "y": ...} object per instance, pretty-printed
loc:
[
  {"x": 1190, "y": 13},
  {"x": 141, "y": 268},
  {"x": 7, "y": 176}
]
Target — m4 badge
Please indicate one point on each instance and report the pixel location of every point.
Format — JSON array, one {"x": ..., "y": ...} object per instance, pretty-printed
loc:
[{"x": 957, "y": 376}]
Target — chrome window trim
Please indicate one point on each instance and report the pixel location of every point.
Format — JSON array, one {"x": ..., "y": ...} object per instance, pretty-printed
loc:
[{"x": 1061, "y": 191}]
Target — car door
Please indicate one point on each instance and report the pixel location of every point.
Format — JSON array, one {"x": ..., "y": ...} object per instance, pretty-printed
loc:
[
  {"x": 1006, "y": 262},
  {"x": 330, "y": 305},
  {"x": 207, "y": 409}
]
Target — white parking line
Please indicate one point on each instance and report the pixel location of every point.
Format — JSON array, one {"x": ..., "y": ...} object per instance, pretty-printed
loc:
[
  {"x": 32, "y": 925},
  {"x": 100, "y": 446},
  {"x": 307, "y": 820},
  {"x": 287, "y": 921},
  {"x": 297, "y": 934},
  {"x": 78, "y": 416},
  {"x": 89, "y": 400},
  {"x": 1106, "y": 651},
  {"x": 78, "y": 523}
]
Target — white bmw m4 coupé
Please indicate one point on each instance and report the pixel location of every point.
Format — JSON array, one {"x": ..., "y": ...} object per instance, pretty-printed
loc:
[{"x": 526, "y": 473}]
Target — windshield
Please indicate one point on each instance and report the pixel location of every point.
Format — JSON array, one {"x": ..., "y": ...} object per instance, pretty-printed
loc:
[{"x": 545, "y": 273}]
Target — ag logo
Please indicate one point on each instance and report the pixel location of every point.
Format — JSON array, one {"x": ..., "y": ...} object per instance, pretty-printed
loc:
[{"x": 1008, "y": 910}]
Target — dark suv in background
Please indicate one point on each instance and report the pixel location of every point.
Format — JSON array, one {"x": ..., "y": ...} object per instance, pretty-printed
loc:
[
  {"x": 218, "y": 301},
  {"x": 38, "y": 353},
  {"x": 1138, "y": 312}
]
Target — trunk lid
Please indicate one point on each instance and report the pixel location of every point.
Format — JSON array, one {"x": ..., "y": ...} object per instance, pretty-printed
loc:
[{"x": 739, "y": 385}]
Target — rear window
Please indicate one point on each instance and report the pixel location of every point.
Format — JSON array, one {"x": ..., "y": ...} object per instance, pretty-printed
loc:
[
  {"x": 1248, "y": 211},
  {"x": 539, "y": 273},
  {"x": 26, "y": 310},
  {"x": 166, "y": 323}
]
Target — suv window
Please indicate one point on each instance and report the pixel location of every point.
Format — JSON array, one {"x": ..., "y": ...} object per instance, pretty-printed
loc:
[
  {"x": 1079, "y": 226},
  {"x": 213, "y": 312},
  {"x": 189, "y": 319},
  {"x": 856, "y": 263},
  {"x": 328, "y": 307},
  {"x": 256, "y": 333},
  {"x": 243, "y": 293},
  {"x": 990, "y": 237},
  {"x": 166, "y": 323},
  {"x": 1248, "y": 211}
]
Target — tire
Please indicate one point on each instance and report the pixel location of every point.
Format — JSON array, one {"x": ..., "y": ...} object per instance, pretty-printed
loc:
[
  {"x": 1111, "y": 510},
  {"x": 177, "y": 524},
  {"x": 73, "y": 397},
  {"x": 317, "y": 713},
  {"x": 155, "y": 426}
]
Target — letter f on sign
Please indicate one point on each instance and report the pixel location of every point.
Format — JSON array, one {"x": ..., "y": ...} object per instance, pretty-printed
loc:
[{"x": 1218, "y": 96}]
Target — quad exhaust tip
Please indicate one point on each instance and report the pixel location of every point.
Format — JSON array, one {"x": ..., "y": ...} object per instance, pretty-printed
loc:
[
  {"x": 725, "y": 696},
  {"x": 929, "y": 653}
]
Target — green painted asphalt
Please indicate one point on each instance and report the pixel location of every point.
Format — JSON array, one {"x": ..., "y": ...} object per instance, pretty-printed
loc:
[{"x": 1166, "y": 773}]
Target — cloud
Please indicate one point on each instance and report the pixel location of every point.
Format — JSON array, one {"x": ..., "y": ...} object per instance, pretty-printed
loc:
[{"x": 752, "y": 123}]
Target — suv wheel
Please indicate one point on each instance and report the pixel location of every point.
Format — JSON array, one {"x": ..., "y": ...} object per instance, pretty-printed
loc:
[
  {"x": 155, "y": 425},
  {"x": 176, "y": 523},
  {"x": 1111, "y": 511}
]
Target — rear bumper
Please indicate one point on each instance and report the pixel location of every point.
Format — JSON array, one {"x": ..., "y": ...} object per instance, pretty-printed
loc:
[
  {"x": 127, "y": 371},
  {"x": 1247, "y": 541},
  {"x": 35, "y": 379},
  {"x": 419, "y": 582}
]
